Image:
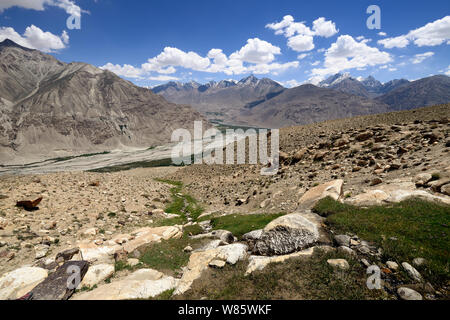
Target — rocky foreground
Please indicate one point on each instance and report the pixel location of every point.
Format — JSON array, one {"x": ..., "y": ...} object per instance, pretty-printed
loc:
[{"x": 106, "y": 223}]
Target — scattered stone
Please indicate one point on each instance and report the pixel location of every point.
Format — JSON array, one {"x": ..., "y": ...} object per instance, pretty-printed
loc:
[
  {"x": 419, "y": 262},
  {"x": 3, "y": 223},
  {"x": 408, "y": 294},
  {"x": 61, "y": 284},
  {"x": 365, "y": 262},
  {"x": 422, "y": 179},
  {"x": 342, "y": 240},
  {"x": 347, "y": 250},
  {"x": 331, "y": 189},
  {"x": 219, "y": 264},
  {"x": 392, "y": 265},
  {"x": 29, "y": 205},
  {"x": 187, "y": 249},
  {"x": 97, "y": 274},
  {"x": 132, "y": 262},
  {"x": 66, "y": 255},
  {"x": 412, "y": 272},
  {"x": 41, "y": 250},
  {"x": 19, "y": 282},
  {"x": 339, "y": 263},
  {"x": 376, "y": 181}
]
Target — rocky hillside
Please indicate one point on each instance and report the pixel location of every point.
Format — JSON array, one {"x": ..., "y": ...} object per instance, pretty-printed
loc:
[
  {"x": 49, "y": 108},
  {"x": 351, "y": 194},
  {"x": 308, "y": 104}
]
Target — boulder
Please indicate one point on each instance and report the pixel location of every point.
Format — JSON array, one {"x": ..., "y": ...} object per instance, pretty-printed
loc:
[
  {"x": 342, "y": 240},
  {"x": 331, "y": 189},
  {"x": 93, "y": 253},
  {"x": 148, "y": 235},
  {"x": 219, "y": 264},
  {"x": 392, "y": 265},
  {"x": 19, "y": 282},
  {"x": 422, "y": 179},
  {"x": 97, "y": 274},
  {"x": 260, "y": 262},
  {"x": 408, "y": 294},
  {"x": 412, "y": 272},
  {"x": 129, "y": 289},
  {"x": 61, "y": 284},
  {"x": 286, "y": 234}
]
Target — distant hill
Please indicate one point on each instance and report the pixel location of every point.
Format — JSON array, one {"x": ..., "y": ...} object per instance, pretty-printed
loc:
[
  {"x": 420, "y": 93},
  {"x": 49, "y": 108},
  {"x": 308, "y": 104}
]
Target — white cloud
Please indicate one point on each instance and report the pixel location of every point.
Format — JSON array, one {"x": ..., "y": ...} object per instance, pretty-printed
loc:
[
  {"x": 257, "y": 51},
  {"x": 302, "y": 56},
  {"x": 447, "y": 72},
  {"x": 392, "y": 69},
  {"x": 347, "y": 53},
  {"x": 126, "y": 70},
  {"x": 301, "y": 43},
  {"x": 35, "y": 38},
  {"x": 291, "y": 83},
  {"x": 301, "y": 37},
  {"x": 324, "y": 28},
  {"x": 174, "y": 57},
  {"x": 315, "y": 63},
  {"x": 396, "y": 42},
  {"x": 382, "y": 34},
  {"x": 418, "y": 58},
  {"x": 256, "y": 56},
  {"x": 163, "y": 78},
  {"x": 432, "y": 34},
  {"x": 69, "y": 6}
]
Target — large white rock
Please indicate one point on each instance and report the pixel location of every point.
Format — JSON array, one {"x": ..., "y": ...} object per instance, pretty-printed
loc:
[
  {"x": 331, "y": 189},
  {"x": 97, "y": 274},
  {"x": 408, "y": 294},
  {"x": 130, "y": 289},
  {"x": 260, "y": 262},
  {"x": 286, "y": 234},
  {"x": 19, "y": 282},
  {"x": 412, "y": 272}
]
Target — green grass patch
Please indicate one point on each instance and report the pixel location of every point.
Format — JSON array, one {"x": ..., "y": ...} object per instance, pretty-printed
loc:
[
  {"x": 295, "y": 279},
  {"x": 86, "y": 155},
  {"x": 168, "y": 255},
  {"x": 139, "y": 164},
  {"x": 240, "y": 224},
  {"x": 406, "y": 230}
]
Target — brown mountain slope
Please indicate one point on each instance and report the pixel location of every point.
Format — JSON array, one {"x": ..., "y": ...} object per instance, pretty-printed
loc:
[
  {"x": 420, "y": 93},
  {"x": 308, "y": 104},
  {"x": 76, "y": 108}
]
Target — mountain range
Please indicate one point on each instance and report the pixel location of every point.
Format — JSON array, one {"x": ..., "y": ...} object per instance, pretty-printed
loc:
[
  {"x": 49, "y": 108},
  {"x": 264, "y": 102}
]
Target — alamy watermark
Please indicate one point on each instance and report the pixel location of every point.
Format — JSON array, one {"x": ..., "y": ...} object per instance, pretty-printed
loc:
[
  {"x": 374, "y": 20},
  {"x": 208, "y": 147}
]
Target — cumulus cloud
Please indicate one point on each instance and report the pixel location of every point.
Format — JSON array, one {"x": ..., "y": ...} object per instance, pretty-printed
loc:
[
  {"x": 163, "y": 78},
  {"x": 67, "y": 5},
  {"x": 126, "y": 70},
  {"x": 300, "y": 36},
  {"x": 419, "y": 58},
  {"x": 291, "y": 83},
  {"x": 256, "y": 56},
  {"x": 347, "y": 53},
  {"x": 257, "y": 51},
  {"x": 35, "y": 38},
  {"x": 432, "y": 34}
]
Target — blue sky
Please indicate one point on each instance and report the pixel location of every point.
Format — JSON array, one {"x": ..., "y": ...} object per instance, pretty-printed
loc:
[{"x": 152, "y": 42}]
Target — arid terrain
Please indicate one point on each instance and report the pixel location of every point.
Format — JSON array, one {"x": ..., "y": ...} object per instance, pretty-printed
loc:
[{"x": 183, "y": 232}]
